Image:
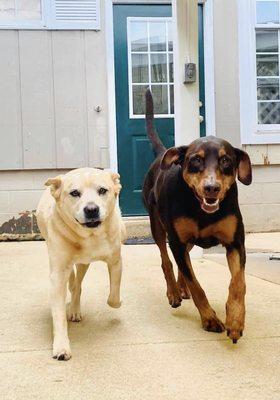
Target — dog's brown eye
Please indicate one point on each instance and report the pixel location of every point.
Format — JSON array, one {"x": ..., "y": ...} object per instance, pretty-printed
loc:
[
  {"x": 225, "y": 161},
  {"x": 102, "y": 191},
  {"x": 197, "y": 160},
  {"x": 75, "y": 193}
]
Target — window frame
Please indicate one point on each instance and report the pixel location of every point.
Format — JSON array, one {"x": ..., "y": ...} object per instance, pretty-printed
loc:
[
  {"x": 49, "y": 22},
  {"x": 251, "y": 131},
  {"x": 129, "y": 60}
]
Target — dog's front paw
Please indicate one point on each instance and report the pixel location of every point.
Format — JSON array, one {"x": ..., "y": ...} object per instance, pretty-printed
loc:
[
  {"x": 174, "y": 297},
  {"x": 234, "y": 330},
  {"x": 114, "y": 303},
  {"x": 73, "y": 313},
  {"x": 61, "y": 352}
]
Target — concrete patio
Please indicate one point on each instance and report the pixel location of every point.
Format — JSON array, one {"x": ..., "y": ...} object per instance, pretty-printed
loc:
[{"x": 145, "y": 350}]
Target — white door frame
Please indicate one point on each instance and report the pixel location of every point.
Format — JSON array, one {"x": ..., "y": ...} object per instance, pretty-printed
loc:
[
  {"x": 209, "y": 77},
  {"x": 111, "y": 90},
  {"x": 209, "y": 67}
]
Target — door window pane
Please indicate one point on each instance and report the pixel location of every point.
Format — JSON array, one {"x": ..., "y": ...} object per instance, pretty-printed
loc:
[
  {"x": 158, "y": 36},
  {"x": 267, "y": 12},
  {"x": 139, "y": 99},
  {"x": 269, "y": 113},
  {"x": 267, "y": 41},
  {"x": 139, "y": 35},
  {"x": 140, "y": 68},
  {"x": 170, "y": 36},
  {"x": 268, "y": 89},
  {"x": 171, "y": 71},
  {"x": 267, "y": 65},
  {"x": 160, "y": 97},
  {"x": 171, "y": 99},
  {"x": 151, "y": 65},
  {"x": 158, "y": 67}
]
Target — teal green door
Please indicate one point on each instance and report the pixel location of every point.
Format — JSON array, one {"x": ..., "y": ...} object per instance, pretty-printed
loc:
[
  {"x": 143, "y": 58},
  {"x": 143, "y": 49}
]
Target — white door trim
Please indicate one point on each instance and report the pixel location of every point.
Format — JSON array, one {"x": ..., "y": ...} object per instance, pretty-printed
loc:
[
  {"x": 209, "y": 67},
  {"x": 111, "y": 90}
]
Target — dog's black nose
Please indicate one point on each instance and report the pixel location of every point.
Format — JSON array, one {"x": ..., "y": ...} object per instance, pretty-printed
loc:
[
  {"x": 91, "y": 211},
  {"x": 212, "y": 189}
]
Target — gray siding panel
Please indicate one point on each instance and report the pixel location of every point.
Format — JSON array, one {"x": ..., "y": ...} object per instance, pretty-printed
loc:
[
  {"x": 50, "y": 84},
  {"x": 96, "y": 96},
  {"x": 10, "y": 104},
  {"x": 70, "y": 116},
  {"x": 37, "y": 99}
]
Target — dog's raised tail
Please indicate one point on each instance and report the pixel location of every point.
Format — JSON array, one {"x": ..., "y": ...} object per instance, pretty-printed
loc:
[{"x": 157, "y": 144}]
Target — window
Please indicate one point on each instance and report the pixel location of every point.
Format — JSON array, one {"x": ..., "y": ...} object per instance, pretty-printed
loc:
[
  {"x": 267, "y": 62},
  {"x": 150, "y": 63},
  {"x": 50, "y": 14},
  {"x": 259, "y": 53}
]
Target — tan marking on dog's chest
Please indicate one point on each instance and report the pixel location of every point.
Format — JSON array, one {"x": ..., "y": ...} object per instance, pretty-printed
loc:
[
  {"x": 185, "y": 228},
  {"x": 224, "y": 230}
]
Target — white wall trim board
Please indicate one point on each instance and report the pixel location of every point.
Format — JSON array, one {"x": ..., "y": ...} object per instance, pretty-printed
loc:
[
  {"x": 209, "y": 72},
  {"x": 112, "y": 128},
  {"x": 251, "y": 131}
]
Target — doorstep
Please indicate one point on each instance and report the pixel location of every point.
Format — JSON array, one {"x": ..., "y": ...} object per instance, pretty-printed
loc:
[{"x": 25, "y": 228}]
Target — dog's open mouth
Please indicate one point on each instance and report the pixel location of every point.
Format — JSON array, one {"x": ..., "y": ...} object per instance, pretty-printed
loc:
[
  {"x": 208, "y": 204},
  {"x": 90, "y": 224}
]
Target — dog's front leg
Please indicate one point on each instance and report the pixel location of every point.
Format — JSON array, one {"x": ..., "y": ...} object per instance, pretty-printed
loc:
[
  {"x": 235, "y": 307},
  {"x": 115, "y": 273},
  {"x": 59, "y": 276}
]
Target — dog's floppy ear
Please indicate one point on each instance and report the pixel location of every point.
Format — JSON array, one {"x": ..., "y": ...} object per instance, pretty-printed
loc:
[
  {"x": 174, "y": 155},
  {"x": 244, "y": 167},
  {"x": 55, "y": 186},
  {"x": 116, "y": 179}
]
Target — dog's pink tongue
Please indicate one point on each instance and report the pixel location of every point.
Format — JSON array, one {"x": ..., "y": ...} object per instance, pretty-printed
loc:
[{"x": 209, "y": 208}]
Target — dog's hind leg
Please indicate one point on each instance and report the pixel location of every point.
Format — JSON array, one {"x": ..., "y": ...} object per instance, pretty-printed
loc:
[
  {"x": 182, "y": 285},
  {"x": 181, "y": 281},
  {"x": 159, "y": 234},
  {"x": 75, "y": 287},
  {"x": 210, "y": 321}
]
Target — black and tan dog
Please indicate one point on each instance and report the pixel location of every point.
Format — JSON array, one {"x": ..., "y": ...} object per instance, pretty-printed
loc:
[{"x": 190, "y": 193}]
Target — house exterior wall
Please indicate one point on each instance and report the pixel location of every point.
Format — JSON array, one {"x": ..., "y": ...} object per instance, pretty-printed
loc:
[
  {"x": 72, "y": 64},
  {"x": 50, "y": 84},
  {"x": 260, "y": 202}
]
